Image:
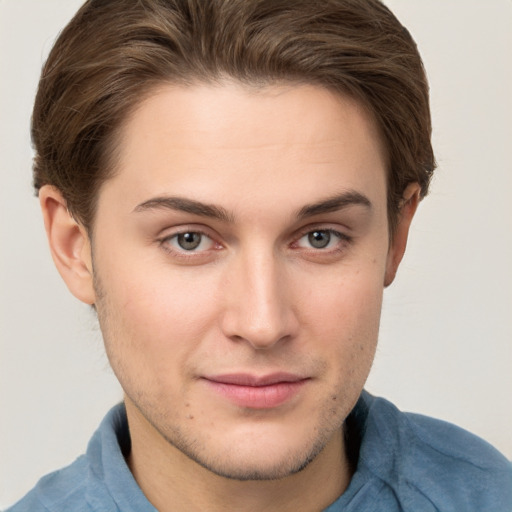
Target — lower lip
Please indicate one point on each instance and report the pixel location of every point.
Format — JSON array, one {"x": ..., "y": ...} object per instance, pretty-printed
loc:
[{"x": 258, "y": 397}]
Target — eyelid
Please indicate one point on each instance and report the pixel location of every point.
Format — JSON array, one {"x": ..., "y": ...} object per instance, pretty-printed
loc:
[
  {"x": 337, "y": 230},
  {"x": 170, "y": 234},
  {"x": 343, "y": 240},
  {"x": 180, "y": 229},
  {"x": 182, "y": 254}
]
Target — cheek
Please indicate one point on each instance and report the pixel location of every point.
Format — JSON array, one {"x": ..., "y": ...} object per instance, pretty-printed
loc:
[
  {"x": 156, "y": 313},
  {"x": 348, "y": 301},
  {"x": 142, "y": 285},
  {"x": 344, "y": 317}
]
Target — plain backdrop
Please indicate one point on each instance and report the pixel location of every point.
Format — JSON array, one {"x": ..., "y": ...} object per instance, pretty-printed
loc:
[{"x": 446, "y": 338}]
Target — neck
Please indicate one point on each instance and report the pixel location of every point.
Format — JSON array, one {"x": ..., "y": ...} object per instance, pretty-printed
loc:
[{"x": 172, "y": 481}]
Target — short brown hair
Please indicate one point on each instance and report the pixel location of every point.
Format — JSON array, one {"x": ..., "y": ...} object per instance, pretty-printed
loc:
[{"x": 114, "y": 52}]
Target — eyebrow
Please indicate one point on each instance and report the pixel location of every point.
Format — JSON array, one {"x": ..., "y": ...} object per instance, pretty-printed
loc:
[
  {"x": 185, "y": 205},
  {"x": 335, "y": 203},
  {"x": 331, "y": 204}
]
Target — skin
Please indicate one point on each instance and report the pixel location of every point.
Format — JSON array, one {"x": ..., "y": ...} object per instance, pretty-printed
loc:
[{"x": 285, "y": 188}]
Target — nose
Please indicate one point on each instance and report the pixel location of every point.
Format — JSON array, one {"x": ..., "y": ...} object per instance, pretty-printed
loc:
[{"x": 259, "y": 307}]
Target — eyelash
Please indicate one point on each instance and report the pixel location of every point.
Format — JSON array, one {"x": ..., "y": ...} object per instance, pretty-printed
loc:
[
  {"x": 343, "y": 241},
  {"x": 184, "y": 254}
]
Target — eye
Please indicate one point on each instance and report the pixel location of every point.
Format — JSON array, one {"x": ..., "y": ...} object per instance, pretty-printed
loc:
[
  {"x": 320, "y": 239},
  {"x": 189, "y": 241}
]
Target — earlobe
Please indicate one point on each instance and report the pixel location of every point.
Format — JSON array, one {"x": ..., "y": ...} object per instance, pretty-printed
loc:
[
  {"x": 69, "y": 244},
  {"x": 411, "y": 199}
]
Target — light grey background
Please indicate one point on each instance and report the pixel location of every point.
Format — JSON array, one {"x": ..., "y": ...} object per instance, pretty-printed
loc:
[{"x": 446, "y": 338}]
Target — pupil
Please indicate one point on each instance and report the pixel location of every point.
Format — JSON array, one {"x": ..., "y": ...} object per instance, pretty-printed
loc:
[
  {"x": 189, "y": 241},
  {"x": 319, "y": 239}
]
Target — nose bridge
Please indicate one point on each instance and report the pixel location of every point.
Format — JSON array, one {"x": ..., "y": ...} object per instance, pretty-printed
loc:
[{"x": 259, "y": 308}]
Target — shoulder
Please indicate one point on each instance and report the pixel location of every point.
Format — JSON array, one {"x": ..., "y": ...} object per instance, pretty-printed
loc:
[
  {"x": 449, "y": 461},
  {"x": 427, "y": 459},
  {"x": 82, "y": 486},
  {"x": 61, "y": 490}
]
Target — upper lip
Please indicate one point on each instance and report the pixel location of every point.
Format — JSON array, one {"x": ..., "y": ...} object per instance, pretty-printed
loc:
[{"x": 247, "y": 379}]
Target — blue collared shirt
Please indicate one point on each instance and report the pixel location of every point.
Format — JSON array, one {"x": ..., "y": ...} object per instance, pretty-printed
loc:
[{"x": 404, "y": 462}]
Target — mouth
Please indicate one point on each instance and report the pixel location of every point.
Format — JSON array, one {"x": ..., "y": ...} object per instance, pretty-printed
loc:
[{"x": 257, "y": 392}]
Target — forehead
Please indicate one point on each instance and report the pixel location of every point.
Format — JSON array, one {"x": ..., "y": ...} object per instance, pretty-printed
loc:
[{"x": 238, "y": 143}]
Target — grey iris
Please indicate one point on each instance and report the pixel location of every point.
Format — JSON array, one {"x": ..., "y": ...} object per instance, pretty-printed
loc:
[
  {"x": 319, "y": 239},
  {"x": 189, "y": 241}
]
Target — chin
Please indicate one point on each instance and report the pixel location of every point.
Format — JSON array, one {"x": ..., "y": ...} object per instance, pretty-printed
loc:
[
  {"x": 271, "y": 467},
  {"x": 251, "y": 455}
]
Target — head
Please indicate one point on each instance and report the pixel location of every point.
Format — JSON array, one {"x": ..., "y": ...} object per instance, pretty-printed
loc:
[
  {"x": 231, "y": 184},
  {"x": 114, "y": 54}
]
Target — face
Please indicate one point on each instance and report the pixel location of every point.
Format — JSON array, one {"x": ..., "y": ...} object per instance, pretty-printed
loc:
[{"x": 239, "y": 259}]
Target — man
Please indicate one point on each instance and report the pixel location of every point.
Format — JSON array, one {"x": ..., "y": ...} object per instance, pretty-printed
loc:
[{"x": 230, "y": 184}]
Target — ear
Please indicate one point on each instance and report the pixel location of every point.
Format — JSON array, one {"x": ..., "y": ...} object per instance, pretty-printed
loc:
[
  {"x": 69, "y": 244},
  {"x": 410, "y": 201}
]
